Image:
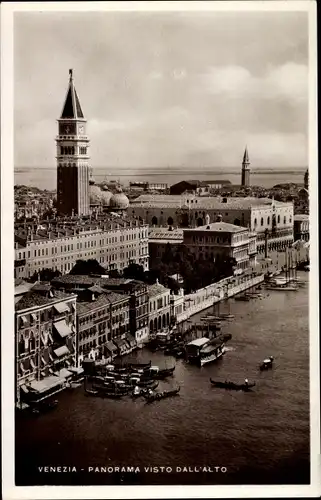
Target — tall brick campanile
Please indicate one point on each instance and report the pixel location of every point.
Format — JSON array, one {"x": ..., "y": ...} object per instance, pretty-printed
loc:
[
  {"x": 245, "y": 180},
  {"x": 72, "y": 157}
]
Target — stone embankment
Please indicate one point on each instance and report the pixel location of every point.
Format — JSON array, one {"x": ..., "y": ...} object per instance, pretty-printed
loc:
[{"x": 210, "y": 295}]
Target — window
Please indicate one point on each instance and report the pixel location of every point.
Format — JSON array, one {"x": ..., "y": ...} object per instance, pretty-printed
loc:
[
  {"x": 262, "y": 221},
  {"x": 284, "y": 220},
  {"x": 279, "y": 219},
  {"x": 268, "y": 221}
]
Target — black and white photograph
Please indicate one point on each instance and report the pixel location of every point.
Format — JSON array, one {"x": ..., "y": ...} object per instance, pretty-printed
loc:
[{"x": 159, "y": 193}]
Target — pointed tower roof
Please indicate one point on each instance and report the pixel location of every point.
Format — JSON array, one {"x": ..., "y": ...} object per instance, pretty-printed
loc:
[
  {"x": 72, "y": 108},
  {"x": 246, "y": 156}
]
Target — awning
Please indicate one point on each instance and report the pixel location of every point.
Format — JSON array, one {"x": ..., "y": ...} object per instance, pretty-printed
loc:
[
  {"x": 61, "y": 351},
  {"x": 111, "y": 347},
  {"x": 61, "y": 307},
  {"x": 79, "y": 370},
  {"x": 64, "y": 373},
  {"x": 62, "y": 328},
  {"x": 130, "y": 340},
  {"x": 122, "y": 345},
  {"x": 45, "y": 384},
  {"x": 24, "y": 320}
]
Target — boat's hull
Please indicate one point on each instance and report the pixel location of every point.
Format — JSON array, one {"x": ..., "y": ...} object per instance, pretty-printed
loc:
[{"x": 211, "y": 358}]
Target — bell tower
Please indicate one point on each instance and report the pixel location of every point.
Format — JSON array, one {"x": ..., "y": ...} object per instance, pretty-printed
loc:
[
  {"x": 245, "y": 181},
  {"x": 72, "y": 157}
]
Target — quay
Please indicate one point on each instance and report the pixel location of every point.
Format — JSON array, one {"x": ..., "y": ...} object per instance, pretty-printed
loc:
[
  {"x": 233, "y": 285},
  {"x": 212, "y": 294}
]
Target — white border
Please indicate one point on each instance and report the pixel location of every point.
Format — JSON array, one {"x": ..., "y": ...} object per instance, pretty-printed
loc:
[{"x": 7, "y": 306}]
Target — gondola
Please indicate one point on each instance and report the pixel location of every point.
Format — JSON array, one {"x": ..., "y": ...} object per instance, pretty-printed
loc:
[
  {"x": 151, "y": 397},
  {"x": 267, "y": 364},
  {"x": 139, "y": 366},
  {"x": 232, "y": 386},
  {"x": 149, "y": 383}
]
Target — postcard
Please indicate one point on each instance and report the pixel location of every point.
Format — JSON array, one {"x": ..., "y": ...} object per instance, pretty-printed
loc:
[{"x": 159, "y": 252}]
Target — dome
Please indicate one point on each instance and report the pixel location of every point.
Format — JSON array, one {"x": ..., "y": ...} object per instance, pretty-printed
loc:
[
  {"x": 119, "y": 200},
  {"x": 95, "y": 195},
  {"x": 106, "y": 197}
]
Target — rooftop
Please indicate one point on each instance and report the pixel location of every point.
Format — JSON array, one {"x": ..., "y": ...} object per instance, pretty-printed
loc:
[
  {"x": 35, "y": 299},
  {"x": 200, "y": 202},
  {"x": 219, "y": 226},
  {"x": 156, "y": 289},
  {"x": 63, "y": 228},
  {"x": 102, "y": 300},
  {"x": 301, "y": 217},
  {"x": 165, "y": 234}
]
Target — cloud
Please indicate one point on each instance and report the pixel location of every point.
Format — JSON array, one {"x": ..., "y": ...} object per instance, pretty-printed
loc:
[{"x": 289, "y": 81}]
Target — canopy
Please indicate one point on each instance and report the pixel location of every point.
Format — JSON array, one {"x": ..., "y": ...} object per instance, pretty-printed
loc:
[
  {"x": 111, "y": 347},
  {"x": 64, "y": 373},
  {"x": 46, "y": 383},
  {"x": 62, "y": 328},
  {"x": 61, "y": 307},
  {"x": 130, "y": 340},
  {"x": 61, "y": 351}
]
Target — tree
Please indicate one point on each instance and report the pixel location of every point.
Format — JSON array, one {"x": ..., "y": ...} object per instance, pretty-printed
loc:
[
  {"x": 87, "y": 267},
  {"x": 134, "y": 271},
  {"x": 45, "y": 274}
]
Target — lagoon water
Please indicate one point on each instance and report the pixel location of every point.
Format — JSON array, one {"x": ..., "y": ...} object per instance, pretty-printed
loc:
[
  {"x": 45, "y": 178},
  {"x": 261, "y": 437}
]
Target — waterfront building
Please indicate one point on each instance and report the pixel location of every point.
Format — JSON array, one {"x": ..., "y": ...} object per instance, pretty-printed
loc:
[
  {"x": 245, "y": 178},
  {"x": 177, "y": 301},
  {"x": 114, "y": 241},
  {"x": 135, "y": 291},
  {"x": 138, "y": 305},
  {"x": 103, "y": 324},
  {"x": 301, "y": 227},
  {"x": 45, "y": 338},
  {"x": 222, "y": 240},
  {"x": 159, "y": 239},
  {"x": 72, "y": 156},
  {"x": 257, "y": 214},
  {"x": 159, "y": 307},
  {"x": 200, "y": 188}
]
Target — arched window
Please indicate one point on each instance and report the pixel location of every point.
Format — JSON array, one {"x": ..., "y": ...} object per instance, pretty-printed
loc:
[
  {"x": 159, "y": 323},
  {"x": 268, "y": 221},
  {"x": 255, "y": 222},
  {"x": 154, "y": 221},
  {"x": 164, "y": 320},
  {"x": 62, "y": 150},
  {"x": 262, "y": 221},
  {"x": 200, "y": 221},
  {"x": 290, "y": 220},
  {"x": 170, "y": 221},
  {"x": 279, "y": 219},
  {"x": 151, "y": 326}
]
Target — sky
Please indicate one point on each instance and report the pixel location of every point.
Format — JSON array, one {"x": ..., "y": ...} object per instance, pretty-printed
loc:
[{"x": 162, "y": 89}]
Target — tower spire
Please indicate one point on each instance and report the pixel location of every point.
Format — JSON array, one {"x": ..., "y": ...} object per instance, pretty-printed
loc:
[
  {"x": 245, "y": 181},
  {"x": 72, "y": 108}
]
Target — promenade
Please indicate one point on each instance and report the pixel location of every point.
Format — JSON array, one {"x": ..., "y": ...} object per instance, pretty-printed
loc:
[{"x": 228, "y": 287}]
